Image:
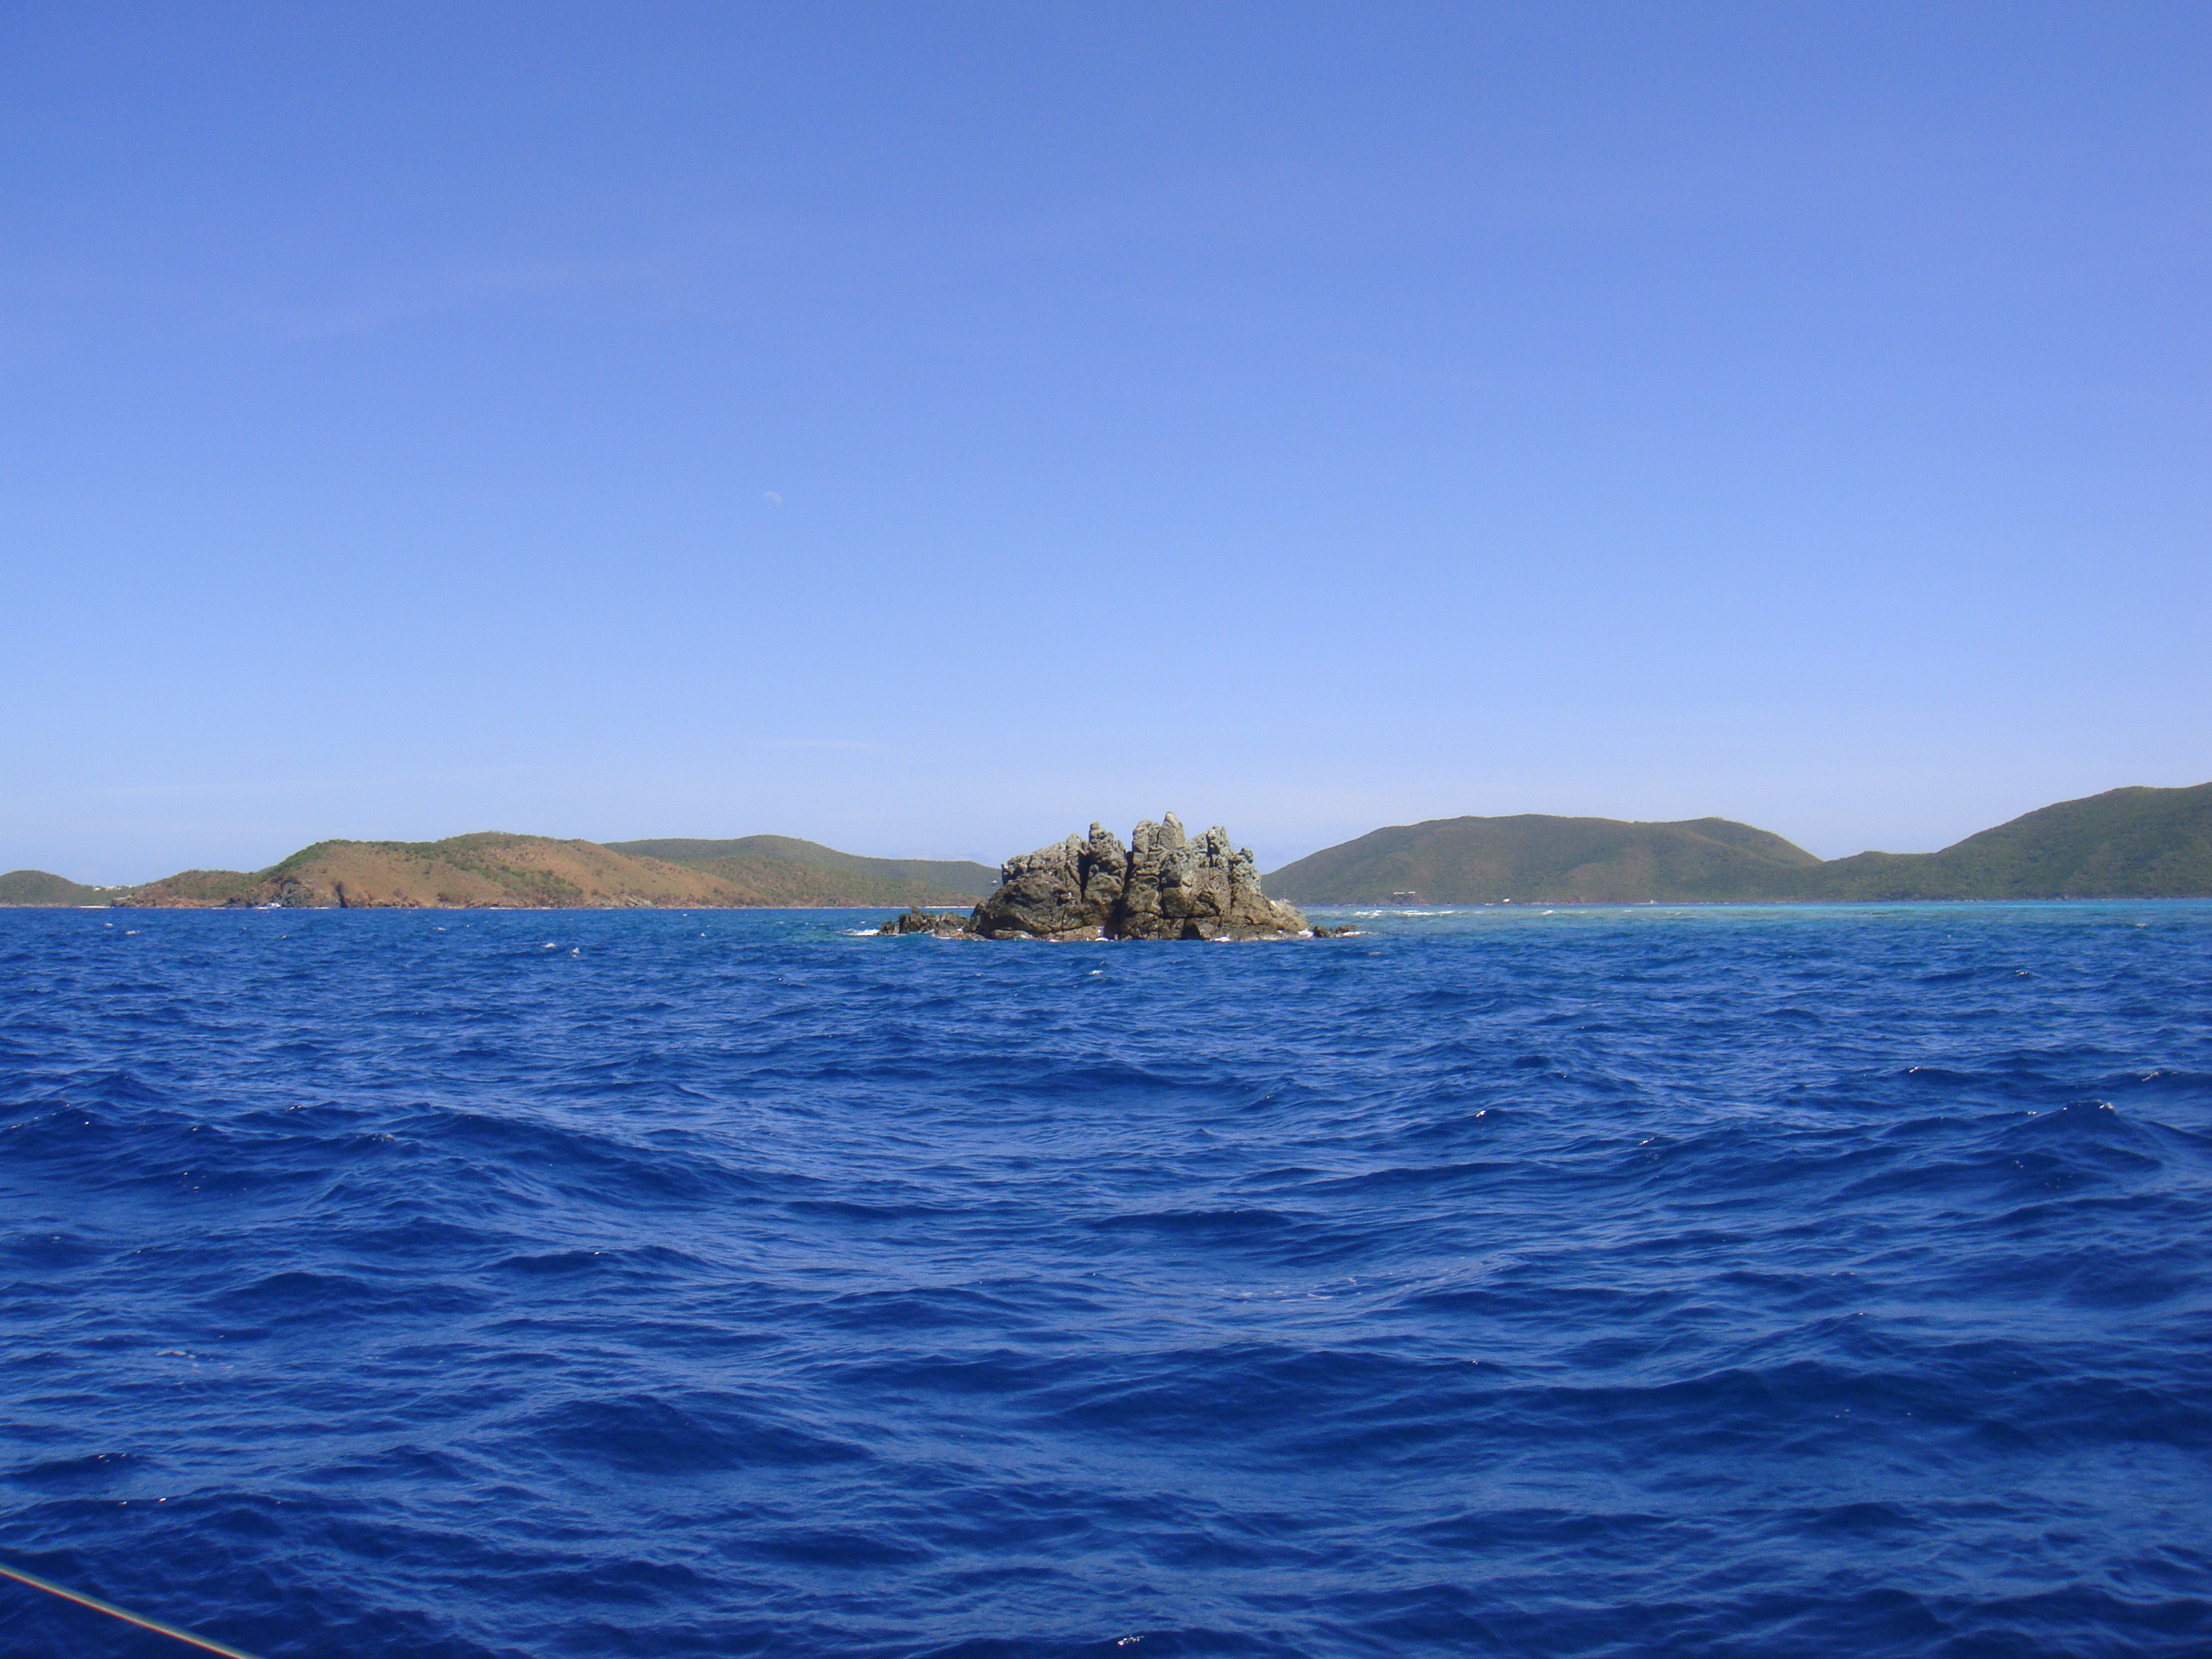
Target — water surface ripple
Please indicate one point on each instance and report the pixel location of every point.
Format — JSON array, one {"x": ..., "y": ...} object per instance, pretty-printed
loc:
[{"x": 1745, "y": 1281}]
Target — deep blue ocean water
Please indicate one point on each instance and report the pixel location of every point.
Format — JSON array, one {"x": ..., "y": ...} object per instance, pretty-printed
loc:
[{"x": 1758, "y": 1281}]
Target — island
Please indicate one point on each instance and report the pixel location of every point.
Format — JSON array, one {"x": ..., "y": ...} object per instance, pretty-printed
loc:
[{"x": 1162, "y": 885}]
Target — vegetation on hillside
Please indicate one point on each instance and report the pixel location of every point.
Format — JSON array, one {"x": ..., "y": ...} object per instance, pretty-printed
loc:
[
  {"x": 2134, "y": 842},
  {"x": 1557, "y": 860},
  {"x": 497, "y": 870},
  {"x": 953, "y": 875},
  {"x": 43, "y": 887},
  {"x": 901, "y": 881},
  {"x": 2125, "y": 844}
]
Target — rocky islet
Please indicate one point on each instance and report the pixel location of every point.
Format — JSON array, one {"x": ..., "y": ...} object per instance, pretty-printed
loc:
[{"x": 1164, "y": 884}]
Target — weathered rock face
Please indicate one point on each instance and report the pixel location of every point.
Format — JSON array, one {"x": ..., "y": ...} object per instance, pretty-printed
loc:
[
  {"x": 1042, "y": 894},
  {"x": 1163, "y": 886},
  {"x": 945, "y": 924}
]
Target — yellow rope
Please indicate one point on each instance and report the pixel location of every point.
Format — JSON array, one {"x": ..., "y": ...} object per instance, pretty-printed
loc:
[{"x": 124, "y": 1614}]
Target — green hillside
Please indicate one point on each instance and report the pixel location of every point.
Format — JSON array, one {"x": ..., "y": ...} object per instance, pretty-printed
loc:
[
  {"x": 40, "y": 887},
  {"x": 2125, "y": 844},
  {"x": 787, "y": 882},
  {"x": 947, "y": 880},
  {"x": 1474, "y": 860}
]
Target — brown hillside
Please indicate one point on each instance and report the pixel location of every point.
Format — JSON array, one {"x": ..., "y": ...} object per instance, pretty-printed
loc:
[{"x": 490, "y": 869}]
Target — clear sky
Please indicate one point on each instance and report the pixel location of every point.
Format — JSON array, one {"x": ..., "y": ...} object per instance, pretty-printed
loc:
[{"x": 927, "y": 427}]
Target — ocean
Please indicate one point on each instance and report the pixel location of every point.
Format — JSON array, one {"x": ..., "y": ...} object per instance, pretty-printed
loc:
[{"x": 1737, "y": 1281}]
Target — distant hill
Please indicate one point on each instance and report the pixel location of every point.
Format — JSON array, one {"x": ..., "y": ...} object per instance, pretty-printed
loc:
[
  {"x": 40, "y": 887},
  {"x": 764, "y": 859},
  {"x": 1557, "y": 860},
  {"x": 493, "y": 869},
  {"x": 2125, "y": 844}
]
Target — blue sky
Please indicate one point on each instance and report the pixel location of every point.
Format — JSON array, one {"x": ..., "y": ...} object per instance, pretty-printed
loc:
[{"x": 928, "y": 427}]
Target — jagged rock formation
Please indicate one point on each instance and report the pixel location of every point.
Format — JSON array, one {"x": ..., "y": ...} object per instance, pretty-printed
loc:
[{"x": 1162, "y": 885}]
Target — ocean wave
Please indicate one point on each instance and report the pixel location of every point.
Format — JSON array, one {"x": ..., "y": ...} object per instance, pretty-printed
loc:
[{"x": 1733, "y": 1282}]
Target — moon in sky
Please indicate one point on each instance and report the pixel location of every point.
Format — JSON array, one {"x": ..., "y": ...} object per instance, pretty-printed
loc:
[{"x": 771, "y": 498}]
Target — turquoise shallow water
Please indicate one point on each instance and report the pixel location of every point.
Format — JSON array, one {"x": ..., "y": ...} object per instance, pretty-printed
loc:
[{"x": 1739, "y": 1281}]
